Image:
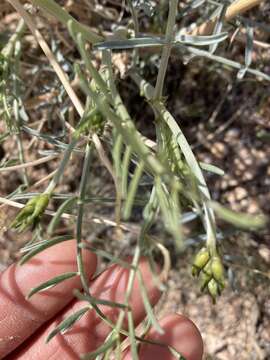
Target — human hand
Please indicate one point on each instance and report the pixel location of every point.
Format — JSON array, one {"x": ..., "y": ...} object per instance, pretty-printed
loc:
[{"x": 25, "y": 324}]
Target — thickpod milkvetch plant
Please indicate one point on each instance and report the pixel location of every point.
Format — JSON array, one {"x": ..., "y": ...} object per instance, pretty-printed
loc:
[{"x": 176, "y": 178}]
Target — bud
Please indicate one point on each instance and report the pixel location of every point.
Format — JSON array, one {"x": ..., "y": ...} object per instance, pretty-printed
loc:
[
  {"x": 217, "y": 269},
  {"x": 205, "y": 276},
  {"x": 201, "y": 259},
  {"x": 213, "y": 289},
  {"x": 31, "y": 213}
]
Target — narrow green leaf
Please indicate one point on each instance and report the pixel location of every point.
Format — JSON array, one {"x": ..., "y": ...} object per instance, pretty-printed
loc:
[
  {"x": 132, "y": 190},
  {"x": 93, "y": 300},
  {"x": 130, "y": 43},
  {"x": 117, "y": 152},
  {"x": 198, "y": 40},
  {"x": 224, "y": 61},
  {"x": 168, "y": 210},
  {"x": 212, "y": 168},
  {"x": 132, "y": 336},
  {"x": 147, "y": 304},
  {"x": 163, "y": 202},
  {"x": 51, "y": 283},
  {"x": 220, "y": 14},
  {"x": 57, "y": 217},
  {"x": 67, "y": 323},
  {"x": 157, "y": 41},
  {"x": 240, "y": 220},
  {"x": 249, "y": 46},
  {"x": 125, "y": 169},
  {"x": 248, "y": 52},
  {"x": 44, "y": 245},
  {"x": 176, "y": 213},
  {"x": 106, "y": 255},
  {"x": 150, "y": 212}
]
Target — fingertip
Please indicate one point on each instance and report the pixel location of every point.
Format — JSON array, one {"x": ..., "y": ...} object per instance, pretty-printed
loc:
[
  {"x": 112, "y": 285},
  {"x": 180, "y": 333}
]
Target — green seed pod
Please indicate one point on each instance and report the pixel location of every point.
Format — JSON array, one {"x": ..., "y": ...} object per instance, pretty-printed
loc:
[
  {"x": 205, "y": 276},
  {"x": 31, "y": 213},
  {"x": 42, "y": 202},
  {"x": 217, "y": 269},
  {"x": 200, "y": 261},
  {"x": 213, "y": 289}
]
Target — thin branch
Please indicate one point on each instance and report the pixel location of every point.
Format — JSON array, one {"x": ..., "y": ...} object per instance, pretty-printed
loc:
[
  {"x": 166, "y": 50},
  {"x": 29, "y": 164},
  {"x": 95, "y": 219},
  {"x": 48, "y": 177}
]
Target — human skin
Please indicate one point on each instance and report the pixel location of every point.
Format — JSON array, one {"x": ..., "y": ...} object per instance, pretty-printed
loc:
[{"x": 25, "y": 324}]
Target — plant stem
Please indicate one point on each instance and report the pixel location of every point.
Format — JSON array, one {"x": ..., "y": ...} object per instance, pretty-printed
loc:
[
  {"x": 166, "y": 50},
  {"x": 134, "y": 14},
  {"x": 81, "y": 198},
  {"x": 58, "y": 175},
  {"x": 131, "y": 279},
  {"x": 8, "y": 49}
]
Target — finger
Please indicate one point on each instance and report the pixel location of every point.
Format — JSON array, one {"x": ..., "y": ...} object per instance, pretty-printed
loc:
[
  {"x": 19, "y": 318},
  {"x": 90, "y": 331},
  {"x": 180, "y": 333}
]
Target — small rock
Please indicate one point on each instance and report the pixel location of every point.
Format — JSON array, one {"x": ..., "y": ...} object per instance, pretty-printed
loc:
[{"x": 264, "y": 252}]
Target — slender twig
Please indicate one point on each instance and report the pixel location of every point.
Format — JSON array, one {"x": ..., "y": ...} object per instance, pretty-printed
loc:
[
  {"x": 131, "y": 279},
  {"x": 134, "y": 14},
  {"x": 166, "y": 49},
  {"x": 80, "y": 202},
  {"x": 58, "y": 175},
  {"x": 97, "y": 220},
  {"x": 29, "y": 164},
  {"x": 41, "y": 181}
]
